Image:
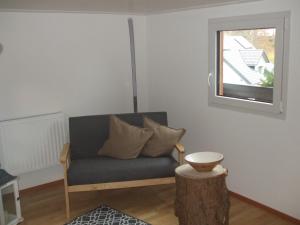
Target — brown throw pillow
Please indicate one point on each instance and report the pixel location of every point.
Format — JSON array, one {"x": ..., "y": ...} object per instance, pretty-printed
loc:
[
  {"x": 125, "y": 141},
  {"x": 163, "y": 140}
]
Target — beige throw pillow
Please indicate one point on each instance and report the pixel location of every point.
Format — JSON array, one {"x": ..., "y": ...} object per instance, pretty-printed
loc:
[
  {"x": 163, "y": 140},
  {"x": 125, "y": 141}
]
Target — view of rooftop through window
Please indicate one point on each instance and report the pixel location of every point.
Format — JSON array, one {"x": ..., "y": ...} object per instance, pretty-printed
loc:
[{"x": 246, "y": 64}]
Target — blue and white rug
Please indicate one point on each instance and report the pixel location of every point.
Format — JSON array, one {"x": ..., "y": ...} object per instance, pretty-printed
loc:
[{"x": 104, "y": 215}]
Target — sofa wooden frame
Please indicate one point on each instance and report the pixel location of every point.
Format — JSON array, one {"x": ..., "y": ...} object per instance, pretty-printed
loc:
[{"x": 65, "y": 161}]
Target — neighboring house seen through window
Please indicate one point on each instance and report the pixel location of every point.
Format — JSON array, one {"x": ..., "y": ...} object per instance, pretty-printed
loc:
[{"x": 248, "y": 60}]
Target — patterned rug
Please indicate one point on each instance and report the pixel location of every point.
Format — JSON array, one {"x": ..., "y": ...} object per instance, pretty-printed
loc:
[{"x": 104, "y": 215}]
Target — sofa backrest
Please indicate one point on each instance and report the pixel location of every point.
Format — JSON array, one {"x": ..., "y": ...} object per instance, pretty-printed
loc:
[{"x": 88, "y": 133}]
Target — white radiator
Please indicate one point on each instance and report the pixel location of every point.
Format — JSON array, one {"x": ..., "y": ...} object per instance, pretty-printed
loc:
[{"x": 32, "y": 143}]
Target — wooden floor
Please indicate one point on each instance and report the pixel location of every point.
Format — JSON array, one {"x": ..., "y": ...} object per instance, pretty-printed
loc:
[{"x": 152, "y": 204}]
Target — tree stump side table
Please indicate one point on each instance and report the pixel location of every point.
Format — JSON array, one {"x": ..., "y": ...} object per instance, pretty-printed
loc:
[{"x": 201, "y": 197}]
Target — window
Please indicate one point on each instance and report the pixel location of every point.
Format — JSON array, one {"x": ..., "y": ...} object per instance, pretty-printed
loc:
[{"x": 248, "y": 61}]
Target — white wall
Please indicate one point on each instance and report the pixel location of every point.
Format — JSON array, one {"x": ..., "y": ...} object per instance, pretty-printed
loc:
[
  {"x": 79, "y": 64},
  {"x": 75, "y": 63},
  {"x": 262, "y": 153}
]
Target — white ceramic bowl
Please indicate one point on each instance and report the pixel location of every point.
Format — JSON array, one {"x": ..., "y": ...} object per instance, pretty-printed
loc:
[{"x": 204, "y": 161}]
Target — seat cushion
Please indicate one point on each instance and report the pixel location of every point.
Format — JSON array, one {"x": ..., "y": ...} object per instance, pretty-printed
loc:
[{"x": 106, "y": 169}]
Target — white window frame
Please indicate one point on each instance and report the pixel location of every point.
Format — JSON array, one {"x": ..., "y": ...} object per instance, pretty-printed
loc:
[{"x": 280, "y": 21}]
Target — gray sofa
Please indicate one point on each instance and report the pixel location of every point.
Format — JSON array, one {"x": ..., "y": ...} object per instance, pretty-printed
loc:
[{"x": 86, "y": 171}]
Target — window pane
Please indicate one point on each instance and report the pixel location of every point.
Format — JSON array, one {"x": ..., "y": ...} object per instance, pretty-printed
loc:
[{"x": 246, "y": 64}]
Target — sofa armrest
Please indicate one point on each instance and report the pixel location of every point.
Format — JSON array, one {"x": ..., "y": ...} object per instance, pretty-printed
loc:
[
  {"x": 64, "y": 155},
  {"x": 180, "y": 148}
]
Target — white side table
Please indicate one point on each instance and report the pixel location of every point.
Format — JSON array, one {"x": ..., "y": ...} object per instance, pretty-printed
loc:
[{"x": 10, "y": 210}]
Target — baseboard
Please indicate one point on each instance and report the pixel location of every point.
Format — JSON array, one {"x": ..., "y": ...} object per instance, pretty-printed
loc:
[
  {"x": 233, "y": 194},
  {"x": 264, "y": 207},
  {"x": 42, "y": 186}
]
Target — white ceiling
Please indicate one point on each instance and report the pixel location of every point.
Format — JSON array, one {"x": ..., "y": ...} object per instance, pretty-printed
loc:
[{"x": 111, "y": 6}]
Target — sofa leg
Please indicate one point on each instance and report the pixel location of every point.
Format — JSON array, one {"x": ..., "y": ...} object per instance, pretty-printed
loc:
[{"x": 67, "y": 199}]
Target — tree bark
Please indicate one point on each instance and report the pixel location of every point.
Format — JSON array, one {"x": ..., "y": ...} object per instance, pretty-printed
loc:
[{"x": 201, "y": 197}]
